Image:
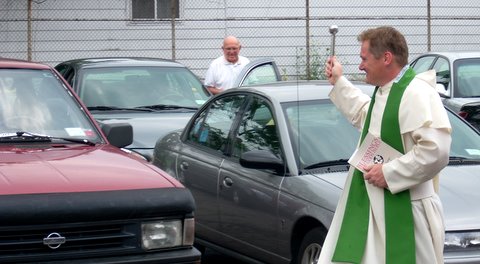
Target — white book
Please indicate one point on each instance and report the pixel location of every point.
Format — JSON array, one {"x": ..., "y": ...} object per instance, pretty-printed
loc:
[{"x": 372, "y": 151}]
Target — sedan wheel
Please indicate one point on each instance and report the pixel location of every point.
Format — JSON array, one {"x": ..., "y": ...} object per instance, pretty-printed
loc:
[{"x": 311, "y": 246}]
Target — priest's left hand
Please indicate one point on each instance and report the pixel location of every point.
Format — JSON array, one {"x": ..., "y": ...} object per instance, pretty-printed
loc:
[{"x": 374, "y": 175}]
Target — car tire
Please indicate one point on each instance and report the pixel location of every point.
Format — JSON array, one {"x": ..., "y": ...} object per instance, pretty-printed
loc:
[{"x": 311, "y": 246}]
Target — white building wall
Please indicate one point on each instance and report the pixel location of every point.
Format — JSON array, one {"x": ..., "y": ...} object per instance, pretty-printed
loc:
[{"x": 66, "y": 29}]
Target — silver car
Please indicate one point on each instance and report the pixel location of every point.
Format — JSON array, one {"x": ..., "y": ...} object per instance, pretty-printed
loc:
[
  {"x": 458, "y": 80},
  {"x": 155, "y": 96},
  {"x": 266, "y": 165}
]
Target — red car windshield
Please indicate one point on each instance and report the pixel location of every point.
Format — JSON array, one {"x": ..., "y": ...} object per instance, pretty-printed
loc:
[{"x": 31, "y": 102}]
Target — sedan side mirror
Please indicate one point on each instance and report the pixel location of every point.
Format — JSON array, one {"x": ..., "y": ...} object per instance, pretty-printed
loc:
[
  {"x": 442, "y": 90},
  {"x": 262, "y": 159}
]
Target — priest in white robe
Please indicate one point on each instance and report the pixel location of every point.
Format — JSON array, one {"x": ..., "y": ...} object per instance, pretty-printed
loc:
[{"x": 424, "y": 135}]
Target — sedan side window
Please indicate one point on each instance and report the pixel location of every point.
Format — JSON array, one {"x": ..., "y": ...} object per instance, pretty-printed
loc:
[
  {"x": 262, "y": 74},
  {"x": 67, "y": 72},
  {"x": 257, "y": 130},
  {"x": 259, "y": 71},
  {"x": 423, "y": 64},
  {"x": 212, "y": 127},
  {"x": 443, "y": 72}
]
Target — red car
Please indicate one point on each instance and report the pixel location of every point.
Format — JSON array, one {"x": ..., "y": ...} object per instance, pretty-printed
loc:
[{"x": 67, "y": 190}]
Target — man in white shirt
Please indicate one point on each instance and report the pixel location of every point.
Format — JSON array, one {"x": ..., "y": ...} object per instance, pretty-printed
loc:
[{"x": 224, "y": 70}]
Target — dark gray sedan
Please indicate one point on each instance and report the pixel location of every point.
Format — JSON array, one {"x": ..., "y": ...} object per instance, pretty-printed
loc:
[{"x": 266, "y": 166}]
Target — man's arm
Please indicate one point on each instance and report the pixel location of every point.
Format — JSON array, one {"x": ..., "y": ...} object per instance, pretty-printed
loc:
[
  {"x": 333, "y": 70},
  {"x": 424, "y": 161},
  {"x": 214, "y": 90},
  {"x": 209, "y": 81},
  {"x": 352, "y": 102}
]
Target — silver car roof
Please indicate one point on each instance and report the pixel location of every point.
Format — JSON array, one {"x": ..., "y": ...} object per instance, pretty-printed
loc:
[
  {"x": 290, "y": 91},
  {"x": 453, "y": 55}
]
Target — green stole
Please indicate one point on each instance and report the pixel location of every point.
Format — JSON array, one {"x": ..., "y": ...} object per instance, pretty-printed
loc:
[{"x": 399, "y": 226}]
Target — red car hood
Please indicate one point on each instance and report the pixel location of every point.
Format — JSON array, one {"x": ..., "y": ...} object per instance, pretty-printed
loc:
[{"x": 55, "y": 169}]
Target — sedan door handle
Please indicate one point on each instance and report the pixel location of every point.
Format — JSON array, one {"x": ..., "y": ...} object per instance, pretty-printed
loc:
[
  {"x": 184, "y": 166},
  {"x": 227, "y": 182}
]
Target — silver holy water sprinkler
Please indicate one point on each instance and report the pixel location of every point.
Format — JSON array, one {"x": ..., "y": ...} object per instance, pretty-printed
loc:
[{"x": 333, "y": 30}]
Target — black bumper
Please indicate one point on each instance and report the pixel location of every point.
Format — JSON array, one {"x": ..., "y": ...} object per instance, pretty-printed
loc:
[{"x": 182, "y": 256}]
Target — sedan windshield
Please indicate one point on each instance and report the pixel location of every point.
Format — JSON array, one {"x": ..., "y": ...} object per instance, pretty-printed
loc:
[
  {"x": 322, "y": 136},
  {"x": 319, "y": 132},
  {"x": 35, "y": 105},
  {"x": 467, "y": 73},
  {"x": 131, "y": 87}
]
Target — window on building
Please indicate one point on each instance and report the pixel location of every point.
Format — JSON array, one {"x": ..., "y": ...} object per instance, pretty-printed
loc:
[{"x": 154, "y": 9}]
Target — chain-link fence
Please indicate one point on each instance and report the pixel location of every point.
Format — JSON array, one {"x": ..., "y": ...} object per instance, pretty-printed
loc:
[{"x": 293, "y": 32}]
